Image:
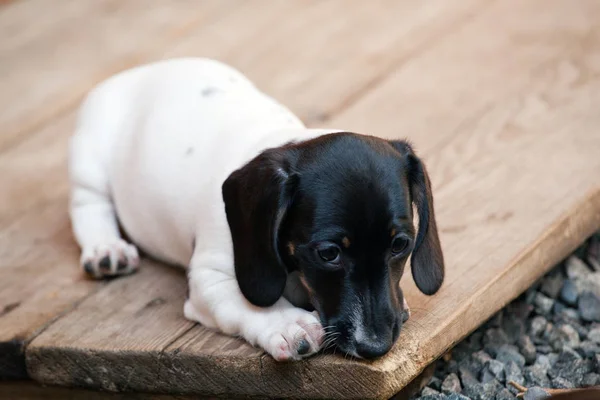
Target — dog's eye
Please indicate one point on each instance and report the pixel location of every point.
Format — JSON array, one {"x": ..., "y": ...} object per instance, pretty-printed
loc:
[
  {"x": 329, "y": 253},
  {"x": 399, "y": 244}
]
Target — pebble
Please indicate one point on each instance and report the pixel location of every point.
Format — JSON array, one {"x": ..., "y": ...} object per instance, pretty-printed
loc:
[
  {"x": 590, "y": 283},
  {"x": 435, "y": 383},
  {"x": 514, "y": 329},
  {"x": 493, "y": 369},
  {"x": 427, "y": 391},
  {"x": 466, "y": 377},
  {"x": 537, "y": 326},
  {"x": 576, "y": 268},
  {"x": 483, "y": 391},
  {"x": 569, "y": 293},
  {"x": 589, "y": 307},
  {"x": 536, "y": 393},
  {"x": 562, "y": 383},
  {"x": 508, "y": 353},
  {"x": 527, "y": 348},
  {"x": 456, "y": 396},
  {"x": 565, "y": 335},
  {"x": 588, "y": 349},
  {"x": 594, "y": 335},
  {"x": 597, "y": 359},
  {"x": 505, "y": 394},
  {"x": 543, "y": 361},
  {"x": 543, "y": 304},
  {"x": 513, "y": 373},
  {"x": 451, "y": 384},
  {"x": 551, "y": 285},
  {"x": 493, "y": 339},
  {"x": 433, "y": 397},
  {"x": 536, "y": 376},
  {"x": 591, "y": 379},
  {"x": 544, "y": 349},
  {"x": 478, "y": 360}
]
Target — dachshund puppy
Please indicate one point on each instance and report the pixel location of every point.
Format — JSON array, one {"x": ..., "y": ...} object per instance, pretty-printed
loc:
[{"x": 198, "y": 168}]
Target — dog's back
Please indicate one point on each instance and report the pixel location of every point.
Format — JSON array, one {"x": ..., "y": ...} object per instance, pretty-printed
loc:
[{"x": 163, "y": 137}]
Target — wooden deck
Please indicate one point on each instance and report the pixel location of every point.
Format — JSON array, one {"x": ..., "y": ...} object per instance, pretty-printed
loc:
[{"x": 501, "y": 97}]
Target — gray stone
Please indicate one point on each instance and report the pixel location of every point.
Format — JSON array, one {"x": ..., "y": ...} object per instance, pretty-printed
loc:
[
  {"x": 513, "y": 373},
  {"x": 427, "y": 391},
  {"x": 571, "y": 366},
  {"x": 562, "y": 383},
  {"x": 569, "y": 293},
  {"x": 514, "y": 329},
  {"x": 597, "y": 359},
  {"x": 433, "y": 397},
  {"x": 456, "y": 396},
  {"x": 589, "y": 307},
  {"x": 591, "y": 379},
  {"x": 543, "y": 361},
  {"x": 435, "y": 383},
  {"x": 505, "y": 394},
  {"x": 536, "y": 393},
  {"x": 483, "y": 391},
  {"x": 536, "y": 376},
  {"x": 571, "y": 313},
  {"x": 537, "y": 326},
  {"x": 466, "y": 377},
  {"x": 493, "y": 339},
  {"x": 551, "y": 285},
  {"x": 451, "y": 384},
  {"x": 527, "y": 348},
  {"x": 544, "y": 349},
  {"x": 576, "y": 268},
  {"x": 508, "y": 353},
  {"x": 594, "y": 335},
  {"x": 493, "y": 369},
  {"x": 590, "y": 283},
  {"x": 564, "y": 335},
  {"x": 588, "y": 349},
  {"x": 543, "y": 304}
]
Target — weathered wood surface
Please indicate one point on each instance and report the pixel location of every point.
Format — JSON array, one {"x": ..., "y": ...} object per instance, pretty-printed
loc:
[
  {"x": 35, "y": 232},
  {"x": 501, "y": 99}
]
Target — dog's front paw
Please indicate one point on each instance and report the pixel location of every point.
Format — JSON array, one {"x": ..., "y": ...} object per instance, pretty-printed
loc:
[
  {"x": 295, "y": 334},
  {"x": 110, "y": 259}
]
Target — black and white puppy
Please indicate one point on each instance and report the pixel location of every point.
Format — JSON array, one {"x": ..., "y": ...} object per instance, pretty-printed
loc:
[{"x": 201, "y": 169}]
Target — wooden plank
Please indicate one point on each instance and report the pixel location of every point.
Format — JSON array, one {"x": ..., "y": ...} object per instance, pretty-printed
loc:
[
  {"x": 47, "y": 144},
  {"x": 328, "y": 54},
  {"x": 47, "y": 66},
  {"x": 507, "y": 213}
]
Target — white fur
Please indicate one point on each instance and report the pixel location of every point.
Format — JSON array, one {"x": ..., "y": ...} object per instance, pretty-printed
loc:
[{"x": 152, "y": 148}]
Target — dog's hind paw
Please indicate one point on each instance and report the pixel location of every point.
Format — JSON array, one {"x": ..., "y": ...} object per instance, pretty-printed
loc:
[{"x": 110, "y": 259}]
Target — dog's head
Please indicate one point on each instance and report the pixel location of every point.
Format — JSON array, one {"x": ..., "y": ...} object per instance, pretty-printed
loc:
[{"x": 338, "y": 209}]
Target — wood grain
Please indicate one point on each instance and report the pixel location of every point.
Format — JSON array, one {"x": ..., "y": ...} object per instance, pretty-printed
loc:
[
  {"x": 47, "y": 64},
  {"x": 501, "y": 100},
  {"x": 35, "y": 162}
]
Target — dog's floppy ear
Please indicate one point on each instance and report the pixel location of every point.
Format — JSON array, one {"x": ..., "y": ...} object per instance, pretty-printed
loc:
[
  {"x": 427, "y": 262},
  {"x": 257, "y": 197}
]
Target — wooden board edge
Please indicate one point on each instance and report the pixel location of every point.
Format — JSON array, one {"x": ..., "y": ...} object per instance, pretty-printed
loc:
[{"x": 560, "y": 239}]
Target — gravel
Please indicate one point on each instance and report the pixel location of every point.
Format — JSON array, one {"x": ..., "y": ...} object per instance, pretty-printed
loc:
[{"x": 548, "y": 338}]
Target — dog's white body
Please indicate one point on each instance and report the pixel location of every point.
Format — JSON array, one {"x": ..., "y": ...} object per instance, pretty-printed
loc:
[{"x": 152, "y": 148}]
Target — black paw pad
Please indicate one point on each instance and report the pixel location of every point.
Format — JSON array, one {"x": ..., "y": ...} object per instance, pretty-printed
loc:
[
  {"x": 104, "y": 264},
  {"x": 303, "y": 347},
  {"x": 122, "y": 265},
  {"x": 88, "y": 267}
]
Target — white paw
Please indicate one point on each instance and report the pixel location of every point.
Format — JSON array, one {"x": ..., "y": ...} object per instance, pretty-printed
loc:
[
  {"x": 110, "y": 259},
  {"x": 406, "y": 312},
  {"x": 293, "y": 335}
]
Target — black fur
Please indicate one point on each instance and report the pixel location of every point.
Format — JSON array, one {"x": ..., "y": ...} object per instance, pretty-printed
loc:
[{"x": 346, "y": 190}]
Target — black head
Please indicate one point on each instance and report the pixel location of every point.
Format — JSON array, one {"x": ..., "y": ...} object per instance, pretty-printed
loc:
[{"x": 339, "y": 210}]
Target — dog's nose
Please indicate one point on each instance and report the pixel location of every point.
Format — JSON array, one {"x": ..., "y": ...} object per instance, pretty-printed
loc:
[{"x": 373, "y": 348}]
